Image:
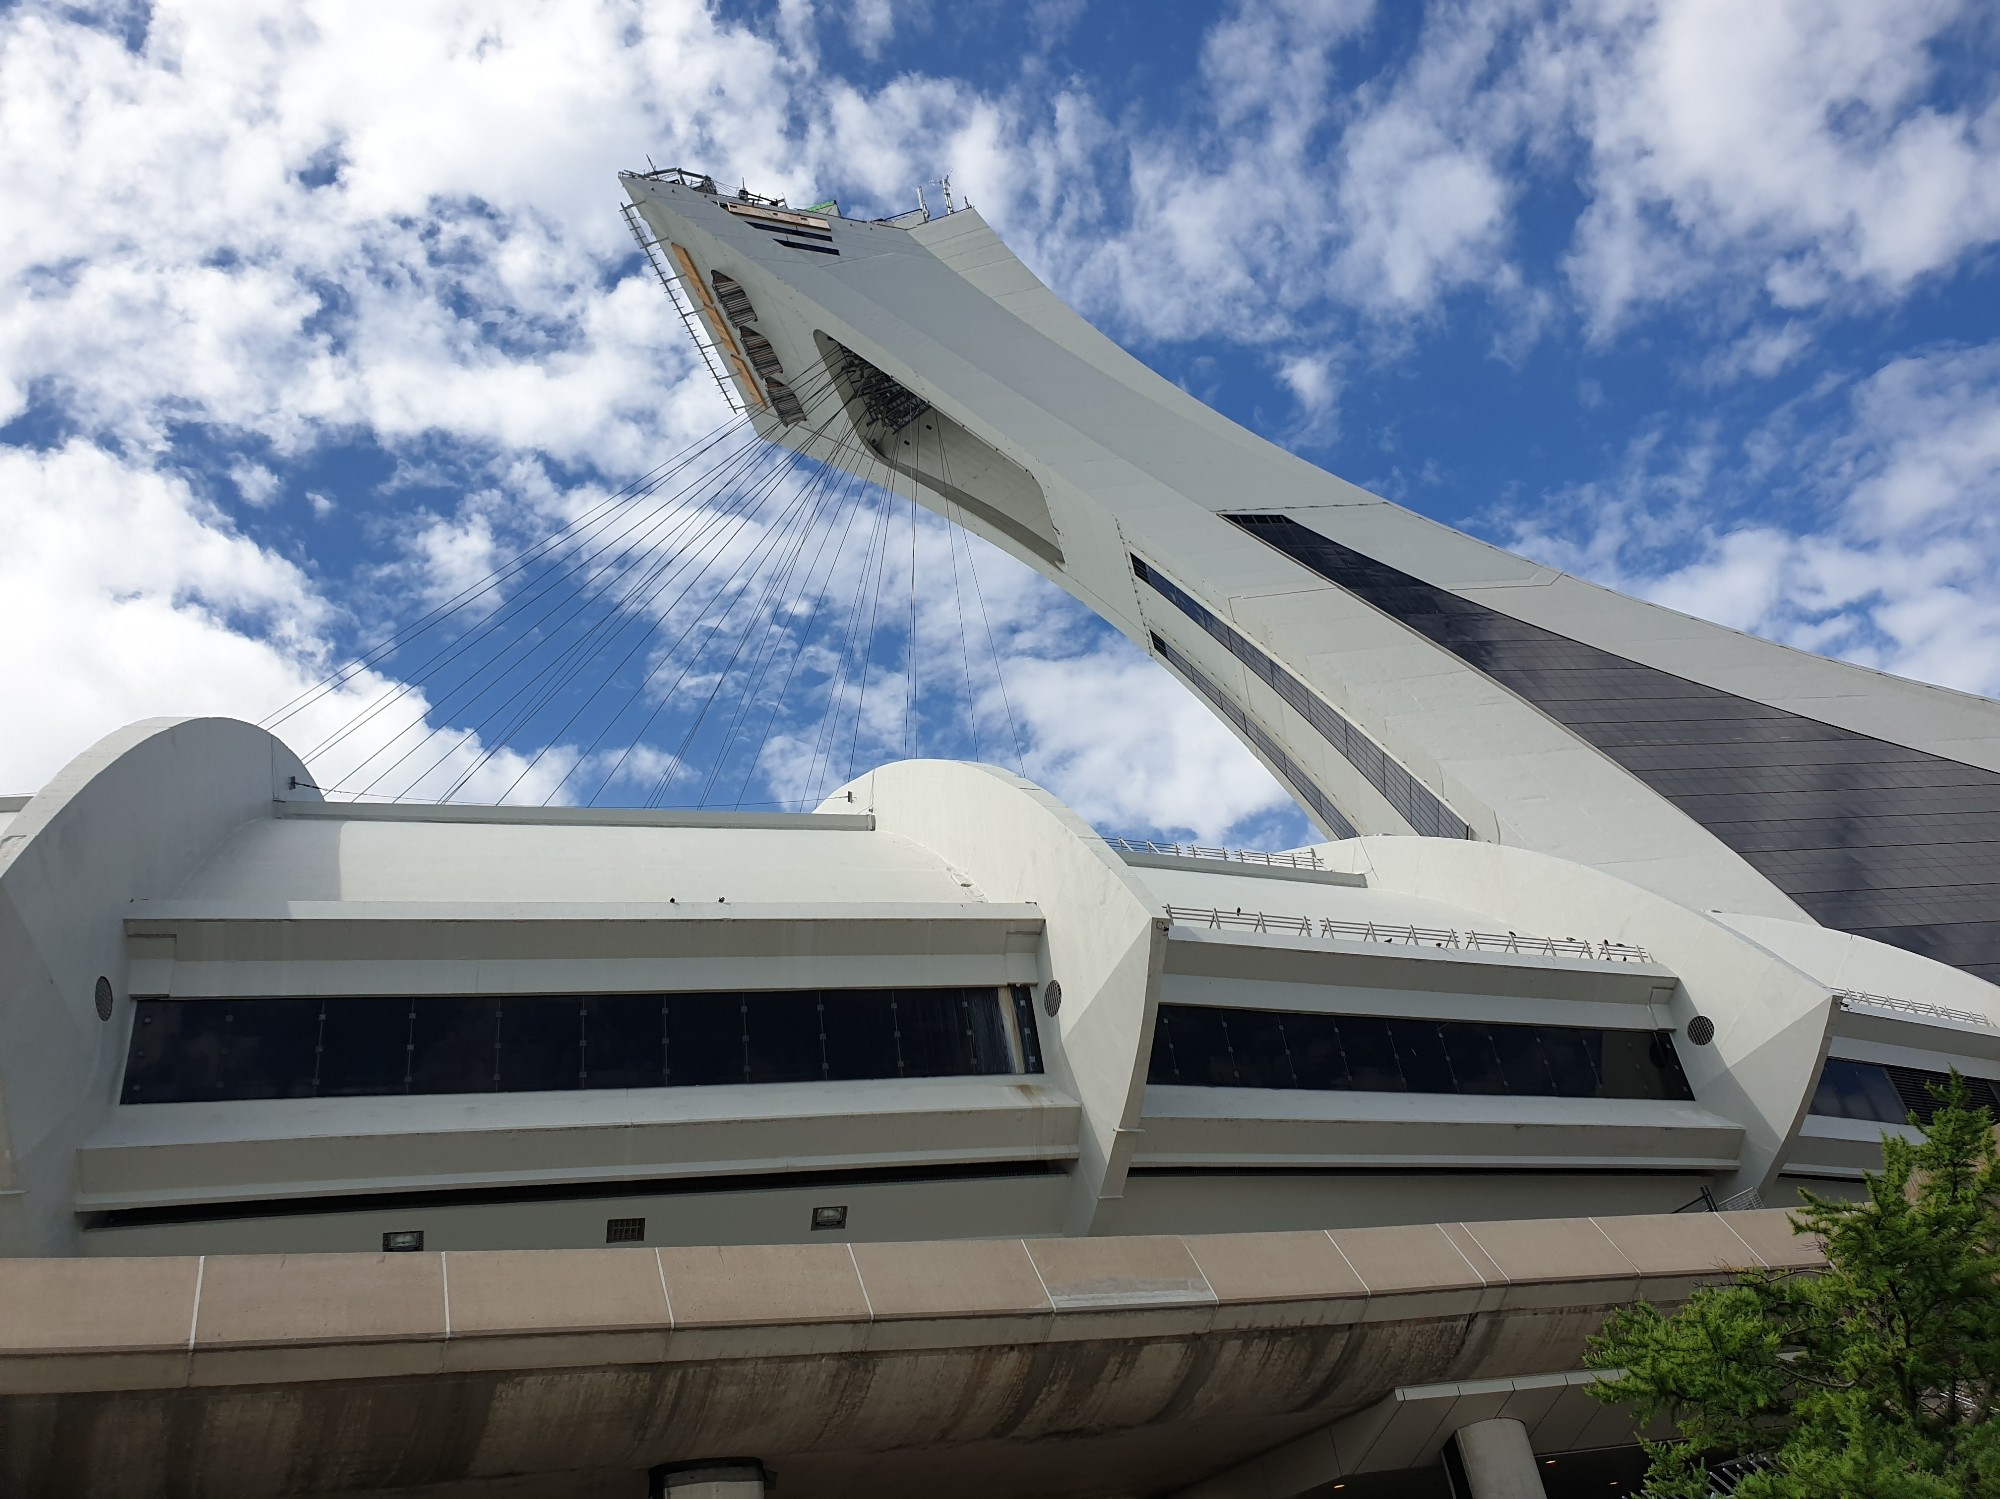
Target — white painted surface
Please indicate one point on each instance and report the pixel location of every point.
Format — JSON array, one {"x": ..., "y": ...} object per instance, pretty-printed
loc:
[
  {"x": 161, "y": 860},
  {"x": 126, "y": 819},
  {"x": 1128, "y": 463}
]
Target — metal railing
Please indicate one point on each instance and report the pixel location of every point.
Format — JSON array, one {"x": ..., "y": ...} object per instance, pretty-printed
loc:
[
  {"x": 1724, "y": 1477},
  {"x": 1305, "y": 858},
  {"x": 1857, "y": 999},
  {"x": 1745, "y": 1201},
  {"x": 649, "y": 247},
  {"x": 1410, "y": 936}
]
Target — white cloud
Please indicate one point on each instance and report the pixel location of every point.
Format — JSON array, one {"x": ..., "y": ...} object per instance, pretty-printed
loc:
[
  {"x": 292, "y": 225},
  {"x": 870, "y": 23},
  {"x": 1789, "y": 142},
  {"x": 258, "y": 486},
  {"x": 125, "y": 595},
  {"x": 1896, "y": 562},
  {"x": 1162, "y": 760}
]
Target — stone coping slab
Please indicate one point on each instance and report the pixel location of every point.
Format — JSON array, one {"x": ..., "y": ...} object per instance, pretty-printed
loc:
[{"x": 170, "y": 1322}]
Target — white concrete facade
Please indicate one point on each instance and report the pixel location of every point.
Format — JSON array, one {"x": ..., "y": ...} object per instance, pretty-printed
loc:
[
  {"x": 177, "y": 862},
  {"x": 1165, "y": 1095}
]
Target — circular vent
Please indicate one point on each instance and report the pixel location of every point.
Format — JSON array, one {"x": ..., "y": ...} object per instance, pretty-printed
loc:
[
  {"x": 103, "y": 998},
  {"x": 1701, "y": 1030},
  {"x": 1051, "y": 998}
]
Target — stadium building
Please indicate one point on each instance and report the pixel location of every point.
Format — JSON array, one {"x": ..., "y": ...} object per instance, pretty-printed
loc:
[{"x": 939, "y": 1142}]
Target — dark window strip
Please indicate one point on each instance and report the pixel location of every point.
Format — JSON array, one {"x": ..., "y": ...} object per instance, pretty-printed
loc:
[
  {"x": 1412, "y": 800},
  {"x": 189, "y": 1050},
  {"x": 819, "y": 234},
  {"x": 1303, "y": 786},
  {"x": 792, "y": 244},
  {"x": 570, "y": 1191},
  {"x": 1764, "y": 780},
  {"x": 1882, "y": 1094},
  {"x": 1211, "y": 1046}
]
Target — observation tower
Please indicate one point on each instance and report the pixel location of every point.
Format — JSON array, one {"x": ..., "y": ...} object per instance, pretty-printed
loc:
[{"x": 944, "y": 1143}]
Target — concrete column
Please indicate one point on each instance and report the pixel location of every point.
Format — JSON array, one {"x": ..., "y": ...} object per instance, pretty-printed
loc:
[
  {"x": 730, "y": 1478},
  {"x": 1492, "y": 1460}
]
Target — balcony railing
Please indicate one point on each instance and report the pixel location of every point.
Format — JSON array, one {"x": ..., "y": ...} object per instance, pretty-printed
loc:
[
  {"x": 1305, "y": 858},
  {"x": 1853, "y": 999},
  {"x": 1398, "y": 934}
]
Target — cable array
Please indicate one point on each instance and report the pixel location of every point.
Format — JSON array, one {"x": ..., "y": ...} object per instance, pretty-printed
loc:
[{"x": 747, "y": 616}]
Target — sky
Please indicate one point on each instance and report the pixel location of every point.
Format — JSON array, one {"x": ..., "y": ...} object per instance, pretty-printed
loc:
[{"x": 315, "y": 315}]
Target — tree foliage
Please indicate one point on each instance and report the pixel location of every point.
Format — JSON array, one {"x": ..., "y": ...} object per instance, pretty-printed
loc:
[{"x": 1875, "y": 1378}]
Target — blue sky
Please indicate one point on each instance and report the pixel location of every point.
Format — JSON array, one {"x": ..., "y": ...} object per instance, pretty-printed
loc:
[{"x": 317, "y": 312}]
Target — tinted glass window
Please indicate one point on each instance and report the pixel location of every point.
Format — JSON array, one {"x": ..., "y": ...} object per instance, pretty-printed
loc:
[
  {"x": 1870, "y": 837},
  {"x": 366, "y": 1047},
  {"x": 454, "y": 1045},
  {"x": 1370, "y": 1048},
  {"x": 540, "y": 1044},
  {"x": 987, "y": 1051},
  {"x": 860, "y": 1034},
  {"x": 1421, "y": 1050},
  {"x": 1198, "y": 1045},
  {"x": 269, "y": 1048},
  {"x": 624, "y": 1041},
  {"x": 176, "y": 1050},
  {"x": 222, "y": 1048},
  {"x": 1475, "y": 1060},
  {"x": 1890, "y": 1095},
  {"x": 1857, "y": 1090},
  {"x": 785, "y": 1039},
  {"x": 1572, "y": 1061},
  {"x": 705, "y": 1040},
  {"x": 1024, "y": 1026},
  {"x": 1223, "y": 1047},
  {"x": 945, "y": 1033},
  {"x": 1521, "y": 1065},
  {"x": 1262, "y": 1058},
  {"x": 1631, "y": 1065},
  {"x": 189, "y": 1049},
  {"x": 1318, "y": 1059}
]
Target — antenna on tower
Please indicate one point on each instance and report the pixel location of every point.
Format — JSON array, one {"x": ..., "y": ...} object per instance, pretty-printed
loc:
[
  {"x": 945, "y": 183},
  {"x": 923, "y": 207}
]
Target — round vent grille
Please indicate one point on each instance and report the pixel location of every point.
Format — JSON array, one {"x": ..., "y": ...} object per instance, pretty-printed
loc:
[
  {"x": 1051, "y": 998},
  {"x": 103, "y": 999},
  {"x": 1701, "y": 1030}
]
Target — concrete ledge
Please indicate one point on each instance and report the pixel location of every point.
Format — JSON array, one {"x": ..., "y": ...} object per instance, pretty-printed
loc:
[
  {"x": 627, "y": 817},
  {"x": 1198, "y": 865},
  {"x": 167, "y": 1322},
  {"x": 1091, "y": 1366}
]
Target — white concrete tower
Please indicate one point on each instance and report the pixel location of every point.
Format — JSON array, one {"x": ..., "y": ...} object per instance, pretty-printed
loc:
[{"x": 1396, "y": 675}]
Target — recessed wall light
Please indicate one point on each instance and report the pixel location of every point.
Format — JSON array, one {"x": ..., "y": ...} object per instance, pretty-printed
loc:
[
  {"x": 403, "y": 1241},
  {"x": 830, "y": 1217}
]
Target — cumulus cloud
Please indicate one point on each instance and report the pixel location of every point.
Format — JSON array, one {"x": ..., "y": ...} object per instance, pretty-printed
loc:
[
  {"x": 1897, "y": 562},
  {"x": 291, "y": 229},
  {"x": 125, "y": 595},
  {"x": 1791, "y": 140}
]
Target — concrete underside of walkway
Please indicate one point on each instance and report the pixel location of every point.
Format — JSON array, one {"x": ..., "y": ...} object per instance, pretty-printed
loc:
[{"x": 1113, "y": 1366}]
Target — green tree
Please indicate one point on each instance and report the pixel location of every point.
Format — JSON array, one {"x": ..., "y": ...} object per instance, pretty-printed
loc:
[{"x": 1875, "y": 1378}]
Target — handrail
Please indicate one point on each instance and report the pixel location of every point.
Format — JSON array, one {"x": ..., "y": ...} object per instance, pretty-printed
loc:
[
  {"x": 1305, "y": 858},
  {"x": 1410, "y": 935},
  {"x": 682, "y": 306},
  {"x": 1850, "y": 998}
]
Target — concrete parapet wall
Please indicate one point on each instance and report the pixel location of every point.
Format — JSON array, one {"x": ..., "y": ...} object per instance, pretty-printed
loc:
[{"x": 1058, "y": 1366}]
